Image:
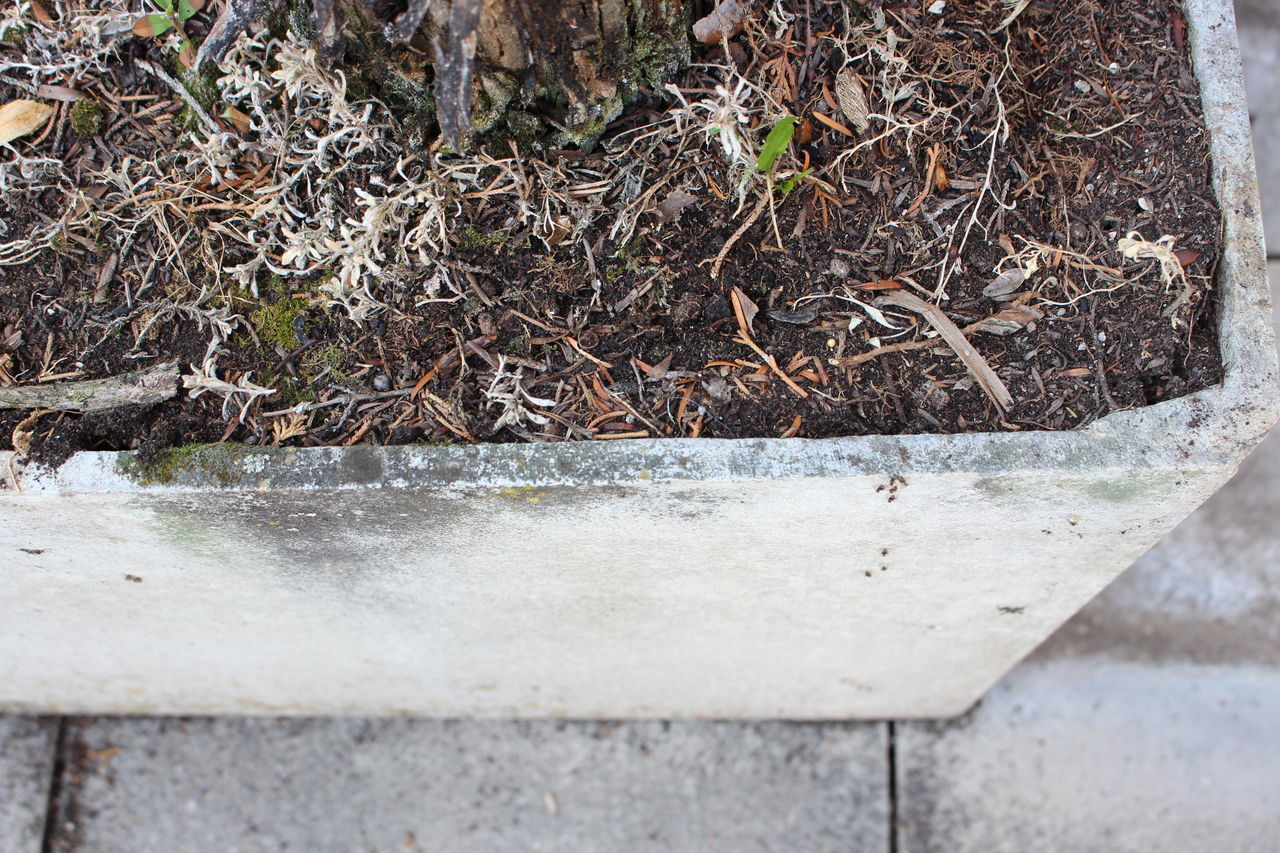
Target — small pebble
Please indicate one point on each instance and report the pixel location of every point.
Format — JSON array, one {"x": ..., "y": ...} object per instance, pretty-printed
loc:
[{"x": 382, "y": 382}]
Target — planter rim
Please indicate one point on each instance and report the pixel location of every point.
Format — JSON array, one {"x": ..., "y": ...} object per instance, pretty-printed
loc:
[{"x": 1204, "y": 429}]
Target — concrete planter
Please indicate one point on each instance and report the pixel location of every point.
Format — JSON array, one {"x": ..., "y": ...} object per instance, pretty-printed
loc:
[{"x": 846, "y": 578}]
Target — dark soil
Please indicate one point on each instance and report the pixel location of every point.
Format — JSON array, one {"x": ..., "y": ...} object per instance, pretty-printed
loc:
[{"x": 653, "y": 351}]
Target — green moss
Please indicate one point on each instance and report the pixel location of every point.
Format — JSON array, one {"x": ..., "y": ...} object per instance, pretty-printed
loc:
[
  {"x": 221, "y": 463},
  {"x": 331, "y": 357},
  {"x": 274, "y": 321},
  {"x": 474, "y": 240},
  {"x": 86, "y": 117},
  {"x": 15, "y": 36},
  {"x": 292, "y": 396}
]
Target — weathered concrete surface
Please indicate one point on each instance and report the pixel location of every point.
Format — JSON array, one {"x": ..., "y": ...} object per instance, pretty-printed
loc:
[
  {"x": 1259, "y": 22},
  {"x": 26, "y": 768},
  {"x": 647, "y": 600},
  {"x": 864, "y": 577},
  {"x": 215, "y": 785}
]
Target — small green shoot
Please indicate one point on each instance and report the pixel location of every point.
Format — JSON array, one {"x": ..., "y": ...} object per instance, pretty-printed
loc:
[
  {"x": 790, "y": 183},
  {"x": 775, "y": 143}
]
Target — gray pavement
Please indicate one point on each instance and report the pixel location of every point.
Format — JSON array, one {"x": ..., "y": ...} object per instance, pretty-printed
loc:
[
  {"x": 1151, "y": 721},
  {"x": 1258, "y": 22},
  {"x": 317, "y": 785},
  {"x": 26, "y": 772}
]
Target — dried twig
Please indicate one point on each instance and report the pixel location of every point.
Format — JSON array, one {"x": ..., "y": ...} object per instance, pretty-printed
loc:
[
  {"x": 718, "y": 261},
  {"x": 139, "y": 388}
]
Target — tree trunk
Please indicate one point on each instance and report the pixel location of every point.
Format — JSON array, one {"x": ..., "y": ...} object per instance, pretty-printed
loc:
[{"x": 557, "y": 70}]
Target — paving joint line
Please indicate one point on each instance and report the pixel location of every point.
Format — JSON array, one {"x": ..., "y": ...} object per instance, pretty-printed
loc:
[
  {"x": 892, "y": 756},
  {"x": 53, "y": 805}
]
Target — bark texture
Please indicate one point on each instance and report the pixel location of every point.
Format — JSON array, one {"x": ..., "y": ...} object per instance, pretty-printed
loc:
[{"x": 551, "y": 69}]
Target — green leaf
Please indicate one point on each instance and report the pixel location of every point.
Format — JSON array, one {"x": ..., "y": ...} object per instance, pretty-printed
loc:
[
  {"x": 166, "y": 5},
  {"x": 186, "y": 9},
  {"x": 790, "y": 183},
  {"x": 776, "y": 142},
  {"x": 151, "y": 25}
]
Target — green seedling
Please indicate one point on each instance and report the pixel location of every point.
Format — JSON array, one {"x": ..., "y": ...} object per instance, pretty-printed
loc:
[
  {"x": 172, "y": 15},
  {"x": 775, "y": 143},
  {"x": 790, "y": 183}
]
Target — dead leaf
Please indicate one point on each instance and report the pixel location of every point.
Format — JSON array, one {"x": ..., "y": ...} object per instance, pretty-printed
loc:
[
  {"x": 59, "y": 93},
  {"x": 20, "y": 117},
  {"x": 42, "y": 15},
  {"x": 659, "y": 370},
  {"x": 239, "y": 119},
  {"x": 671, "y": 206},
  {"x": 725, "y": 21},
  {"x": 745, "y": 309},
  {"x": 987, "y": 378},
  {"x": 1010, "y": 320},
  {"x": 833, "y": 124},
  {"x": 717, "y": 389},
  {"x": 554, "y": 231},
  {"x": 853, "y": 100},
  {"x": 1186, "y": 257},
  {"x": 1005, "y": 283},
  {"x": 879, "y": 284},
  {"x": 804, "y": 132}
]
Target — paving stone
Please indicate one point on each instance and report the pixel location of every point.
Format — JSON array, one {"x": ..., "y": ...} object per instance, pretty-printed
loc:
[
  {"x": 1258, "y": 22},
  {"x": 26, "y": 767},
  {"x": 1084, "y": 755},
  {"x": 243, "y": 785}
]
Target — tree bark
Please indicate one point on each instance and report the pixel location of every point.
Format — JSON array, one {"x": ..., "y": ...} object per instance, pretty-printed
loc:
[{"x": 559, "y": 70}]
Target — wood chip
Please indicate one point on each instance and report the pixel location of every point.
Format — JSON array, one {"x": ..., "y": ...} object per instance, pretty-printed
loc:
[
  {"x": 798, "y": 316},
  {"x": 987, "y": 378},
  {"x": 21, "y": 117},
  {"x": 139, "y": 388}
]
